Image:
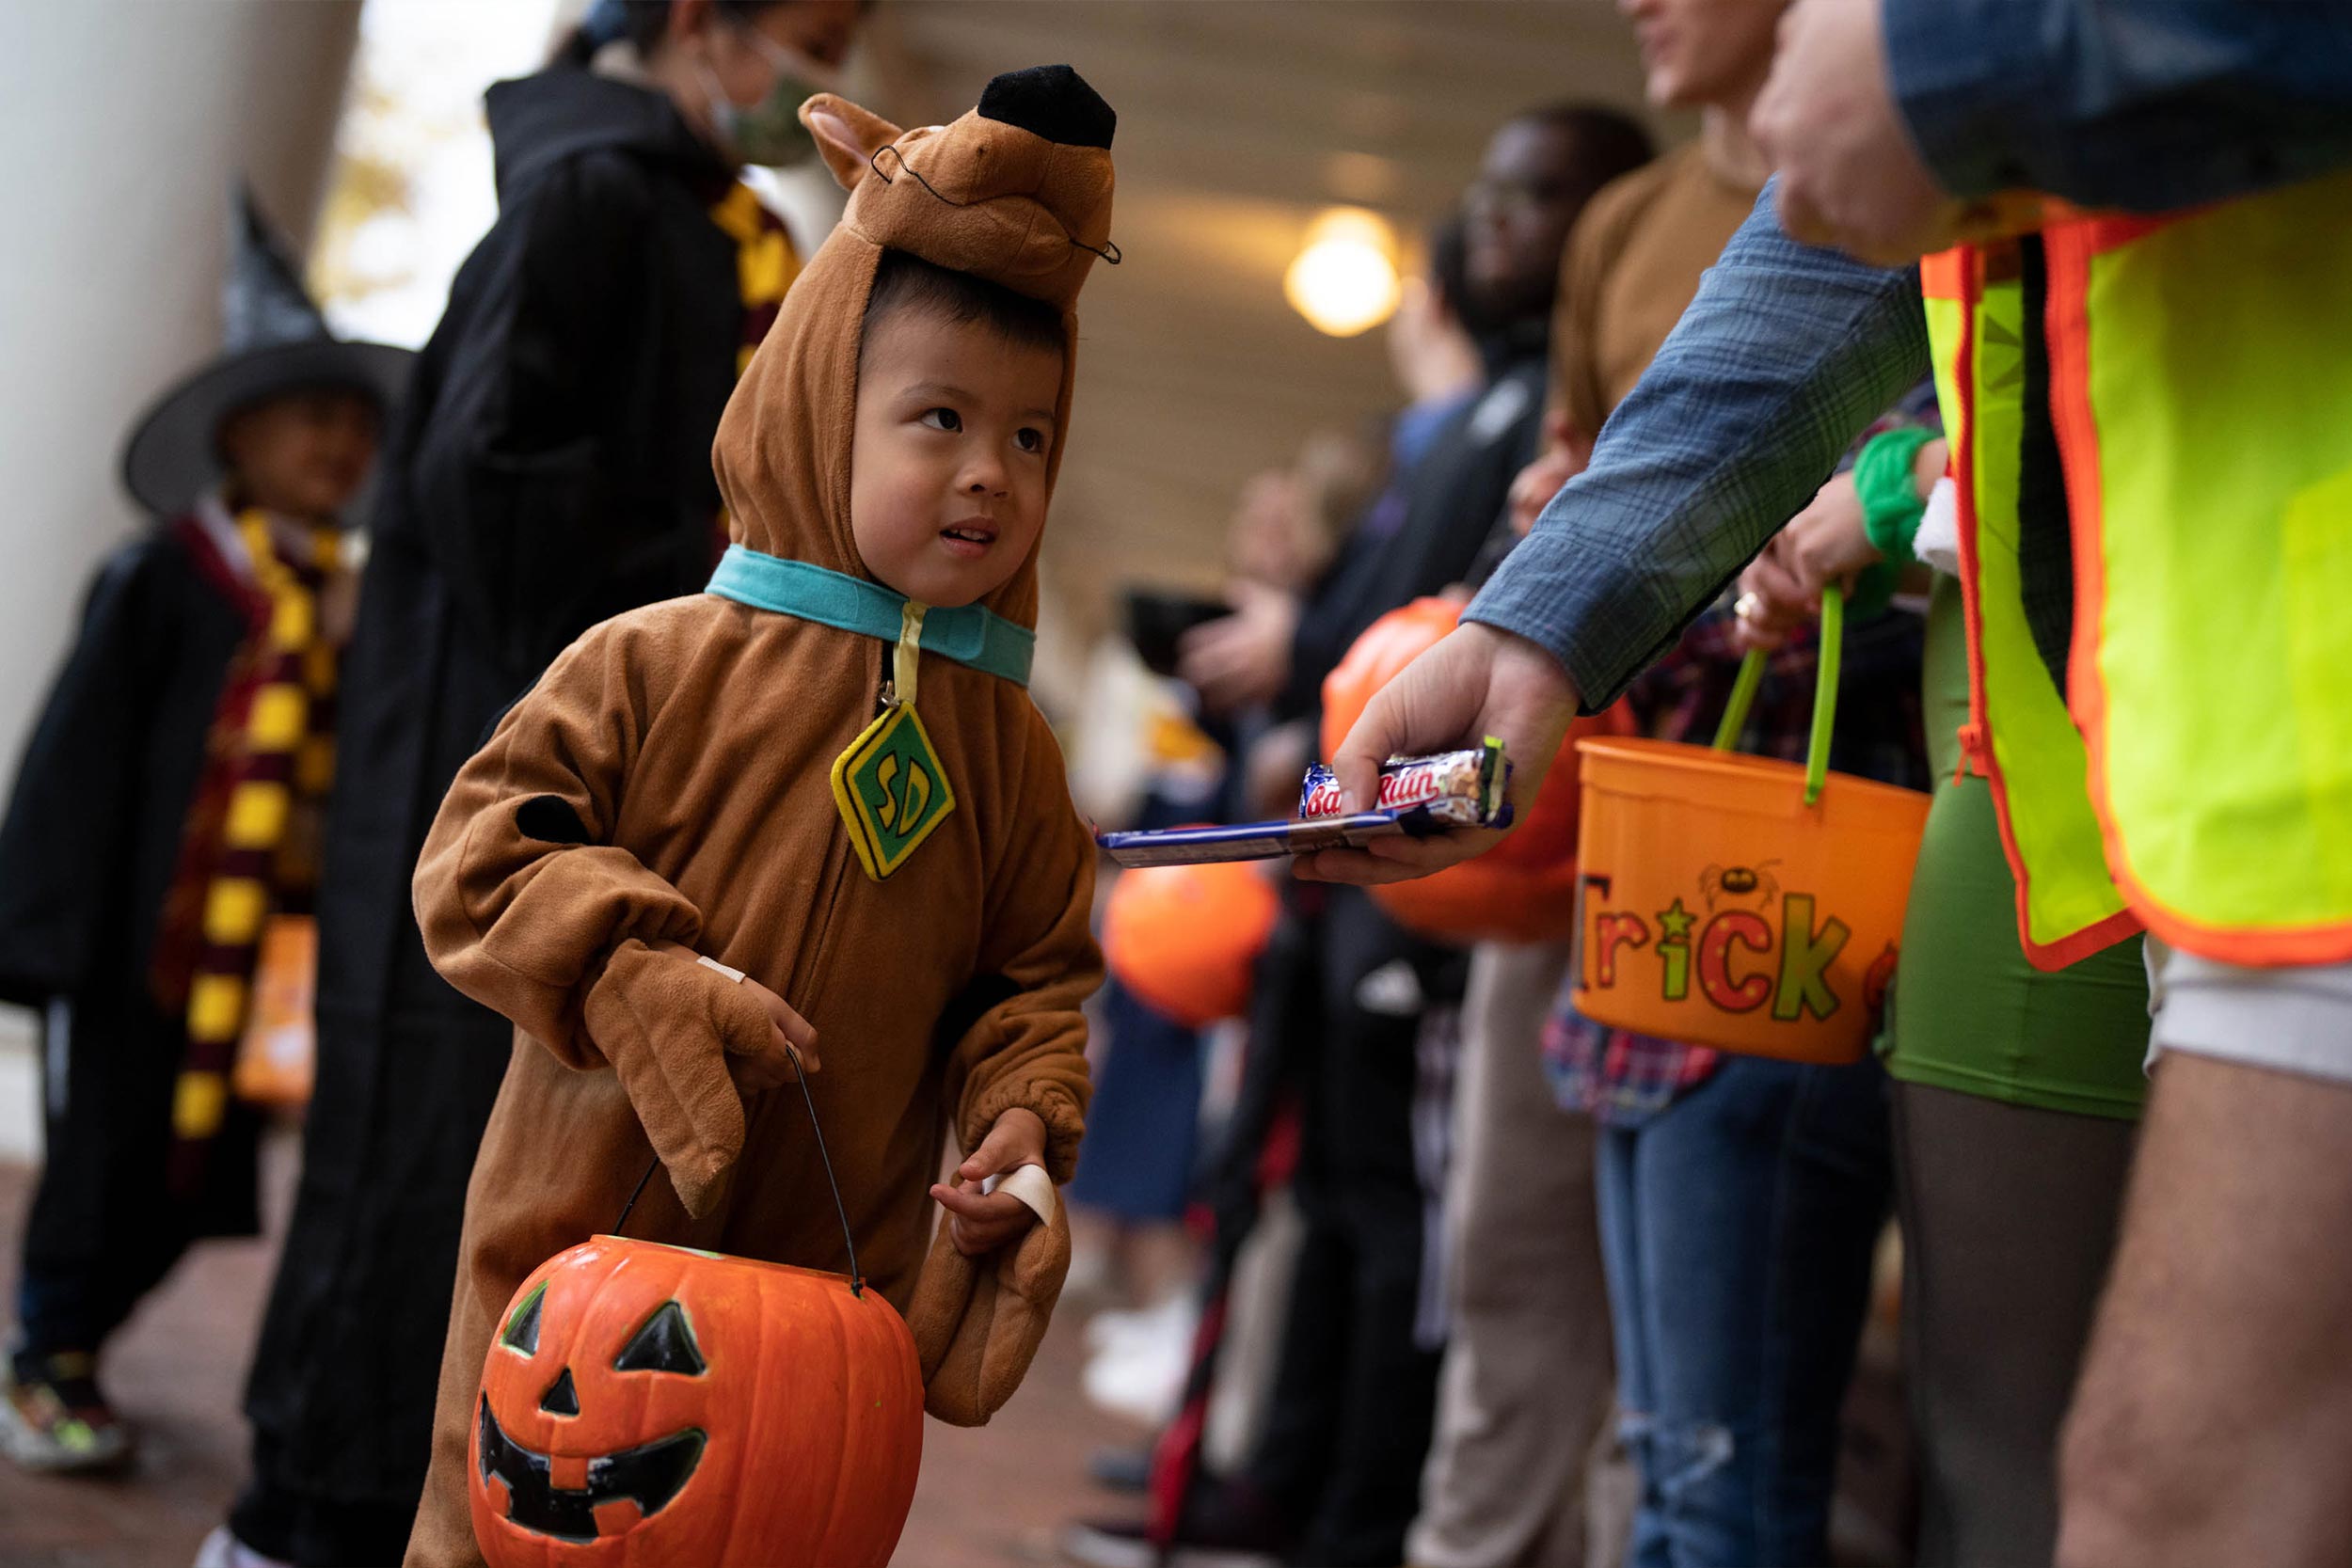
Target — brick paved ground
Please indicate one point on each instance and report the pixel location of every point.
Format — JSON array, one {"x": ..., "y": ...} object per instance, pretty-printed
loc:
[{"x": 989, "y": 1498}]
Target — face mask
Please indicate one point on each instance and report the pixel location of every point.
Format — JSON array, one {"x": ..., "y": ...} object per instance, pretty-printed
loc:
[{"x": 769, "y": 132}]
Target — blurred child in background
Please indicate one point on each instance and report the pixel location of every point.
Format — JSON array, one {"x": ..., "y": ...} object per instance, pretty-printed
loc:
[{"x": 167, "y": 809}]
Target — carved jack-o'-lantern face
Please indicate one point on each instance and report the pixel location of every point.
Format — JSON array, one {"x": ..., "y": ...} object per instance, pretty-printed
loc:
[
  {"x": 644, "y": 1402},
  {"x": 648, "y": 1475}
]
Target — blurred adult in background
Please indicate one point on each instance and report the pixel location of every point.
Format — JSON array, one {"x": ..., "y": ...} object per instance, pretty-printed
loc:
[
  {"x": 1136, "y": 1173},
  {"x": 1245, "y": 659},
  {"x": 551, "y": 468},
  {"x": 1469, "y": 426},
  {"x": 1374, "y": 1029},
  {"x": 1289, "y": 522},
  {"x": 161, "y": 835},
  {"x": 1528, "y": 1372},
  {"x": 1353, "y": 1013}
]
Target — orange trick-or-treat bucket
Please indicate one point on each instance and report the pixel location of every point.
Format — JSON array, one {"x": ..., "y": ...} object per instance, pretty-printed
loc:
[{"x": 1742, "y": 902}]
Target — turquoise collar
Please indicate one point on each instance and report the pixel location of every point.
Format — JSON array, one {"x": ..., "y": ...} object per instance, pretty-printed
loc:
[{"x": 973, "y": 636}]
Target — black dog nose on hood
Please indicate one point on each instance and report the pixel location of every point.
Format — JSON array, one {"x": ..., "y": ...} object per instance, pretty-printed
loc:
[{"x": 1053, "y": 101}]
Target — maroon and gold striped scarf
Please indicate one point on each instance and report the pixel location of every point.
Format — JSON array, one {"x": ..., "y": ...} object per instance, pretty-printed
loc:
[
  {"x": 268, "y": 755},
  {"x": 765, "y": 266}
]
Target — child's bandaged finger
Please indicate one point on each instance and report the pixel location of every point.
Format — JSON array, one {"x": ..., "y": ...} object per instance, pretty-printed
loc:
[
  {"x": 982, "y": 1221},
  {"x": 1030, "y": 1185}
]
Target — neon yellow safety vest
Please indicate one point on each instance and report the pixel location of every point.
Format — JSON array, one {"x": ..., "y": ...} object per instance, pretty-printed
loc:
[
  {"x": 2200, "y": 382},
  {"x": 2019, "y": 737}
]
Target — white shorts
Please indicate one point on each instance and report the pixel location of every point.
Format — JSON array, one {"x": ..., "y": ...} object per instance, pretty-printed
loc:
[{"x": 2294, "y": 1020}]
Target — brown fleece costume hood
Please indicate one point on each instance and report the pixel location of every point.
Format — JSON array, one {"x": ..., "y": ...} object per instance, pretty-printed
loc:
[{"x": 668, "y": 780}]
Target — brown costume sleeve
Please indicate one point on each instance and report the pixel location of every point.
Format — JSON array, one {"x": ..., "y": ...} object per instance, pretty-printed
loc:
[
  {"x": 528, "y": 909},
  {"x": 977, "y": 1321}
]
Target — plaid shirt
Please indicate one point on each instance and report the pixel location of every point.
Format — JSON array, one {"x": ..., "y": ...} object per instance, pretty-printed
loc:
[{"x": 1782, "y": 360}]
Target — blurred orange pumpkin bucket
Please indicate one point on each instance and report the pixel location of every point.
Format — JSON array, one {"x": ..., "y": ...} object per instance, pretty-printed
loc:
[
  {"x": 1185, "y": 938},
  {"x": 1742, "y": 902}
]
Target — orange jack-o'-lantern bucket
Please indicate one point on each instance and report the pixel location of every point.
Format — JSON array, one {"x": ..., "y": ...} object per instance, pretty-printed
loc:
[
  {"x": 650, "y": 1405},
  {"x": 1742, "y": 902},
  {"x": 644, "y": 1403}
]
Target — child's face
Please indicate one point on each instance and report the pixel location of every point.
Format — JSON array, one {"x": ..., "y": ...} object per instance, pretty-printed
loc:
[
  {"x": 304, "y": 454},
  {"x": 947, "y": 464}
]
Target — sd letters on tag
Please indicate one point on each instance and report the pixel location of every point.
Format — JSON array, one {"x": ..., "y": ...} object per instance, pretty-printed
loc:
[{"x": 891, "y": 790}]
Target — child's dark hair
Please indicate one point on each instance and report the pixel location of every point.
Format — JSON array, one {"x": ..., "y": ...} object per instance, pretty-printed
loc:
[{"x": 907, "y": 283}]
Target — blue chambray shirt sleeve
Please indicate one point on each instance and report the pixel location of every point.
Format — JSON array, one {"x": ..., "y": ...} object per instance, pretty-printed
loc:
[
  {"x": 1786, "y": 353},
  {"x": 2145, "y": 106}
]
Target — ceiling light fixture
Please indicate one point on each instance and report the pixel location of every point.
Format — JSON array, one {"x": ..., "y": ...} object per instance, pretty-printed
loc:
[{"x": 1343, "y": 279}]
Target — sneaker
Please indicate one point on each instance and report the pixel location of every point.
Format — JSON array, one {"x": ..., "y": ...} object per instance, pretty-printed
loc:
[
  {"x": 1142, "y": 1380},
  {"x": 54, "y": 1418},
  {"x": 1125, "y": 1543},
  {"x": 222, "y": 1549},
  {"x": 1126, "y": 1469},
  {"x": 1226, "y": 1524},
  {"x": 1177, "y": 1315}
]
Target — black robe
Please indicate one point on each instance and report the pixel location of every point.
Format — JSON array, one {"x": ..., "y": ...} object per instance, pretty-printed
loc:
[
  {"x": 86, "y": 855},
  {"x": 552, "y": 469}
]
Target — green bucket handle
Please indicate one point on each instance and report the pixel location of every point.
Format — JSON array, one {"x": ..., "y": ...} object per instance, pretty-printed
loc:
[{"x": 1824, "y": 695}]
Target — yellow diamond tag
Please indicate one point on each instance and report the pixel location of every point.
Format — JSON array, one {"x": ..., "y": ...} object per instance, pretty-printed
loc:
[{"x": 891, "y": 790}]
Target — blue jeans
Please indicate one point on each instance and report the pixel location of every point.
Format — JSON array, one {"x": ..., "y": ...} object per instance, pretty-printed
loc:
[{"x": 1738, "y": 1226}]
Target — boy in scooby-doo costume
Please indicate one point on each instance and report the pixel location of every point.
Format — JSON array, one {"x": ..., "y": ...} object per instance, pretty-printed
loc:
[{"x": 825, "y": 773}]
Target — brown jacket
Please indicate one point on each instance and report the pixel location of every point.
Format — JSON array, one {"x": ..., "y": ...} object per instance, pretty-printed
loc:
[{"x": 668, "y": 780}]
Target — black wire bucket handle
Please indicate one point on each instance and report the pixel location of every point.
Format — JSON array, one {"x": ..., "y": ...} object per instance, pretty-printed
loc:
[{"x": 849, "y": 1243}]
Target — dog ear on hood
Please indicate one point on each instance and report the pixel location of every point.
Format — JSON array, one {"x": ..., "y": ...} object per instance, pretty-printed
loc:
[{"x": 848, "y": 135}]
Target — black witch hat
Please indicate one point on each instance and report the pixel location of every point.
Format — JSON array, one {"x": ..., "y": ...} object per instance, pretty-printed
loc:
[{"x": 274, "y": 341}]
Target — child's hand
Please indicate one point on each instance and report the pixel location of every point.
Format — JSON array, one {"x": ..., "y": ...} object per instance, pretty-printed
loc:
[
  {"x": 773, "y": 1067},
  {"x": 983, "y": 1224},
  {"x": 770, "y": 1066},
  {"x": 1781, "y": 589}
]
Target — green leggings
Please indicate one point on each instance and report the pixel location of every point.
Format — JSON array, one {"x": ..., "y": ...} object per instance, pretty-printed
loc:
[{"x": 1968, "y": 1012}]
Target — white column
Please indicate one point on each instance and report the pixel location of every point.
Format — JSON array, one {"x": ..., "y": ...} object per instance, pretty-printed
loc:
[{"x": 122, "y": 123}]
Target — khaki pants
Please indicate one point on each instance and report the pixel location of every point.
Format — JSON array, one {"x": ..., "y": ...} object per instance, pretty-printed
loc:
[{"x": 1524, "y": 1396}]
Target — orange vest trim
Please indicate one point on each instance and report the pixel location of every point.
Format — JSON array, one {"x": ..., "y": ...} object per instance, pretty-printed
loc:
[{"x": 1959, "y": 274}]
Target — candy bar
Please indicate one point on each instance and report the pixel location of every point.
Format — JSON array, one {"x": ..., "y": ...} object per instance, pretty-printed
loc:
[
  {"x": 1418, "y": 796},
  {"x": 1461, "y": 789}
]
